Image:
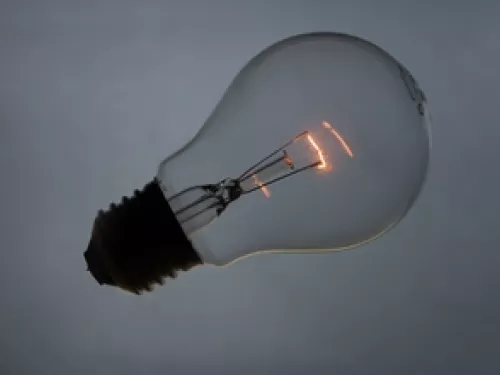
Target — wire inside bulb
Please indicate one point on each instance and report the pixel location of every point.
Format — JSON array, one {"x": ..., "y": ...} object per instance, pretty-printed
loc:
[{"x": 197, "y": 206}]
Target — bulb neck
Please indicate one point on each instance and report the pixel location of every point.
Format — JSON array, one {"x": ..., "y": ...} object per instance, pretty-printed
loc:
[{"x": 139, "y": 243}]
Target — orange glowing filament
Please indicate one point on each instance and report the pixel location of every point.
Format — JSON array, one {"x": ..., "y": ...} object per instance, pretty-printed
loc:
[
  {"x": 322, "y": 159},
  {"x": 265, "y": 190},
  {"x": 344, "y": 144}
]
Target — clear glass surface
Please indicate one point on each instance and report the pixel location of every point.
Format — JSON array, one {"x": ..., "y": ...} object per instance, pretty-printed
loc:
[{"x": 320, "y": 143}]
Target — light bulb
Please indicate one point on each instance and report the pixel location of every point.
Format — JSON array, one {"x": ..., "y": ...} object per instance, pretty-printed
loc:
[{"x": 321, "y": 143}]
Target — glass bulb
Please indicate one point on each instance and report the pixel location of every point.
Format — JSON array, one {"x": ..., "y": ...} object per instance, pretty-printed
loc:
[{"x": 321, "y": 143}]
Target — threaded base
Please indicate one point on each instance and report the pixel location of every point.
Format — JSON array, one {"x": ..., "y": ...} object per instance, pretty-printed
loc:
[{"x": 139, "y": 243}]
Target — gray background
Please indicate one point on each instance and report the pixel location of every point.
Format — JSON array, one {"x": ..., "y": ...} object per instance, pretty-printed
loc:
[{"x": 94, "y": 94}]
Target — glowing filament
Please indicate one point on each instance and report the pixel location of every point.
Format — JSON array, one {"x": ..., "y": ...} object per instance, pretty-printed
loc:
[
  {"x": 321, "y": 155},
  {"x": 288, "y": 160},
  {"x": 265, "y": 190},
  {"x": 344, "y": 144}
]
